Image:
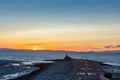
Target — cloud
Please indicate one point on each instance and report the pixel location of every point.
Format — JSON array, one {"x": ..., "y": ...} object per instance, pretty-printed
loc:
[
  {"x": 112, "y": 46},
  {"x": 117, "y": 46},
  {"x": 32, "y": 44},
  {"x": 95, "y": 48},
  {"x": 109, "y": 46},
  {"x": 92, "y": 47}
]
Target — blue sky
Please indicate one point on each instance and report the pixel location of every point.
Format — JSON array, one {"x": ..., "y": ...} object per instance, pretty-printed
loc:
[
  {"x": 60, "y": 8},
  {"x": 59, "y": 5},
  {"x": 50, "y": 12},
  {"x": 53, "y": 18},
  {"x": 64, "y": 11}
]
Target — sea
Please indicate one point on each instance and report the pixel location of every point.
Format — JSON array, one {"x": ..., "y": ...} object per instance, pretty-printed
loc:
[
  {"x": 30, "y": 57},
  {"x": 108, "y": 58}
]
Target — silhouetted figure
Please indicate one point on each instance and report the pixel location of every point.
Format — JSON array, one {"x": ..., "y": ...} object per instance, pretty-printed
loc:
[{"x": 67, "y": 57}]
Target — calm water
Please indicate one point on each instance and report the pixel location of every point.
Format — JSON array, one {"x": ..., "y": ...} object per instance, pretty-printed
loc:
[{"x": 33, "y": 56}]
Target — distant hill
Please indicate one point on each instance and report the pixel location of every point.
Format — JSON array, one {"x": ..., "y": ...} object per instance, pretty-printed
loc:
[{"x": 57, "y": 51}]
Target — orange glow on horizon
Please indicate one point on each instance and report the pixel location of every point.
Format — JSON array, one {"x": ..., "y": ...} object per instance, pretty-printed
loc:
[
  {"x": 77, "y": 48},
  {"x": 71, "y": 45}
]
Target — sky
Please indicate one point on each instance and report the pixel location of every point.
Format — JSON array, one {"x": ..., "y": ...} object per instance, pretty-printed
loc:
[{"x": 74, "y": 25}]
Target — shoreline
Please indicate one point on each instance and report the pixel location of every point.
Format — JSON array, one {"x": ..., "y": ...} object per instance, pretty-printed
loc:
[
  {"x": 61, "y": 67},
  {"x": 42, "y": 67}
]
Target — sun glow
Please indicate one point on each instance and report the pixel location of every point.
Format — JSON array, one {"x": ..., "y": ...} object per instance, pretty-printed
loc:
[
  {"x": 34, "y": 49},
  {"x": 37, "y": 48}
]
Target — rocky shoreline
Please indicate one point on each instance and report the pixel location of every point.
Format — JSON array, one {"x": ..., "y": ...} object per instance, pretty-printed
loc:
[{"x": 58, "y": 70}]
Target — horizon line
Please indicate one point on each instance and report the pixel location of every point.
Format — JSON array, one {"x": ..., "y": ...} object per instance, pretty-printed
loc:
[{"x": 57, "y": 50}]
